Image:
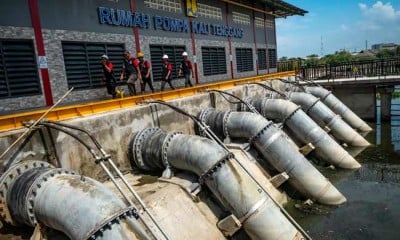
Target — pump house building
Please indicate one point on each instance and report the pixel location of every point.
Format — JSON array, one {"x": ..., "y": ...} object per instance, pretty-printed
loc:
[{"x": 48, "y": 46}]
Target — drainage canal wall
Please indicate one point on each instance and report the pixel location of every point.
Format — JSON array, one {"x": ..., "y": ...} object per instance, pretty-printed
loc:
[{"x": 114, "y": 131}]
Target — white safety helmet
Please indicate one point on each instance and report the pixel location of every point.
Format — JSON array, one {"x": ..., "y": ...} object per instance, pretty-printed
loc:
[
  {"x": 165, "y": 56},
  {"x": 104, "y": 56},
  {"x": 185, "y": 54}
]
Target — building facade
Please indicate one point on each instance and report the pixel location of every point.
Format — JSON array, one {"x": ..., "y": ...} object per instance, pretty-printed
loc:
[{"x": 47, "y": 46}]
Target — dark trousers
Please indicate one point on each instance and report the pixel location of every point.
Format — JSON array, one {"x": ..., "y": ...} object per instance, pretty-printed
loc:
[
  {"x": 149, "y": 82},
  {"x": 132, "y": 89},
  {"x": 163, "y": 82},
  {"x": 110, "y": 85},
  {"x": 187, "y": 80}
]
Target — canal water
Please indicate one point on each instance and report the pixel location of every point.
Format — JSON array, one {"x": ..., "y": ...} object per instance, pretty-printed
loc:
[{"x": 372, "y": 210}]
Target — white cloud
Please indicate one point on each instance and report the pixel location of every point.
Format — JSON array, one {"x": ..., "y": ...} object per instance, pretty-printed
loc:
[
  {"x": 344, "y": 27},
  {"x": 362, "y": 6},
  {"x": 379, "y": 14}
]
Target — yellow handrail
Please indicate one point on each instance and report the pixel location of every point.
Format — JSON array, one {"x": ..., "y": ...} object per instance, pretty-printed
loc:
[{"x": 14, "y": 121}]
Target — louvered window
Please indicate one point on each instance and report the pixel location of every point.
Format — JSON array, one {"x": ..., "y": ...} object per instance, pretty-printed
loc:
[
  {"x": 82, "y": 62},
  {"x": 174, "y": 55},
  {"x": 262, "y": 58},
  {"x": 272, "y": 58},
  {"x": 18, "y": 69},
  {"x": 244, "y": 59},
  {"x": 214, "y": 60}
]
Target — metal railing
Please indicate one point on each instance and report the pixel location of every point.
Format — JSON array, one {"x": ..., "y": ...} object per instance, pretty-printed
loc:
[{"x": 356, "y": 69}]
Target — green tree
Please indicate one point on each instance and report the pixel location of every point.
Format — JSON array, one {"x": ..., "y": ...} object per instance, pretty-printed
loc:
[
  {"x": 386, "y": 53},
  {"x": 312, "y": 60},
  {"x": 283, "y": 59}
]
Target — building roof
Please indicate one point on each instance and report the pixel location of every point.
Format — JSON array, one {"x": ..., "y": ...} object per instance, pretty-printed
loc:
[
  {"x": 283, "y": 9},
  {"x": 278, "y": 8}
]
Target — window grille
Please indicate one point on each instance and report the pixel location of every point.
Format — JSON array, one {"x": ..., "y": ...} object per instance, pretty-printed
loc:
[
  {"x": 82, "y": 62},
  {"x": 262, "y": 58},
  {"x": 259, "y": 22},
  {"x": 175, "y": 58},
  {"x": 214, "y": 60},
  {"x": 208, "y": 11},
  {"x": 244, "y": 59},
  {"x": 270, "y": 24},
  {"x": 241, "y": 18},
  {"x": 164, "y": 5},
  {"x": 18, "y": 69},
  {"x": 272, "y": 58}
]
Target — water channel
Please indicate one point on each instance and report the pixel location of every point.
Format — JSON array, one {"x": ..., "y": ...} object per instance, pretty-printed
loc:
[{"x": 372, "y": 210}]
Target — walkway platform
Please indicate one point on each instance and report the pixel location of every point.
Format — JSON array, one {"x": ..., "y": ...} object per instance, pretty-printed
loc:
[{"x": 15, "y": 121}]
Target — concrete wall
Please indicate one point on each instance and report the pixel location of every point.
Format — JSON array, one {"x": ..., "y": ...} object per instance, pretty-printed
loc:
[
  {"x": 360, "y": 100},
  {"x": 115, "y": 129}
]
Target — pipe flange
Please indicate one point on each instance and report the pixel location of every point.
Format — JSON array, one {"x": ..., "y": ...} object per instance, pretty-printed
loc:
[
  {"x": 324, "y": 97},
  {"x": 36, "y": 185},
  {"x": 225, "y": 123},
  {"x": 109, "y": 221},
  {"x": 8, "y": 179},
  {"x": 215, "y": 167},
  {"x": 202, "y": 117},
  {"x": 165, "y": 146},
  {"x": 137, "y": 146},
  {"x": 254, "y": 138},
  {"x": 312, "y": 105},
  {"x": 290, "y": 115}
]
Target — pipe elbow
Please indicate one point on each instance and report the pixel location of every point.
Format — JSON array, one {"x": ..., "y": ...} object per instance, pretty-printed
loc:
[
  {"x": 155, "y": 149},
  {"x": 305, "y": 100},
  {"x": 233, "y": 124},
  {"x": 320, "y": 92},
  {"x": 38, "y": 192},
  {"x": 279, "y": 109}
]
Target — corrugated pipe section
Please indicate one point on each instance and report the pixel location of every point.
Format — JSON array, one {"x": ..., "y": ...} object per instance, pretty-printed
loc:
[
  {"x": 304, "y": 129},
  {"x": 339, "y": 108},
  {"x": 154, "y": 149},
  {"x": 324, "y": 117},
  {"x": 268, "y": 140},
  {"x": 35, "y": 192}
]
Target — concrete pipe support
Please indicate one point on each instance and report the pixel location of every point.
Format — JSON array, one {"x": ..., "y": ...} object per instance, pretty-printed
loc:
[
  {"x": 34, "y": 192},
  {"x": 340, "y": 108},
  {"x": 154, "y": 149},
  {"x": 268, "y": 140},
  {"x": 305, "y": 129},
  {"x": 324, "y": 117}
]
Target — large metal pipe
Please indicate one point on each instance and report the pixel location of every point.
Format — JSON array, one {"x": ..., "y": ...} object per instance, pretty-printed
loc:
[
  {"x": 304, "y": 129},
  {"x": 340, "y": 108},
  {"x": 324, "y": 117},
  {"x": 80, "y": 207},
  {"x": 275, "y": 149},
  {"x": 154, "y": 149}
]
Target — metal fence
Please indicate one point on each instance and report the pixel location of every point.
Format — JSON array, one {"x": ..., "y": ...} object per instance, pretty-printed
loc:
[{"x": 371, "y": 68}]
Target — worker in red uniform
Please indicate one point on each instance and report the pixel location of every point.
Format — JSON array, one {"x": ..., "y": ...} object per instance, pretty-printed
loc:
[
  {"x": 108, "y": 75},
  {"x": 186, "y": 68},
  {"x": 145, "y": 70},
  {"x": 166, "y": 73},
  {"x": 131, "y": 70}
]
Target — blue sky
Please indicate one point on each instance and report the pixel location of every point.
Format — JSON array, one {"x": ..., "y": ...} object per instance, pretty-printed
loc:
[{"x": 342, "y": 24}]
